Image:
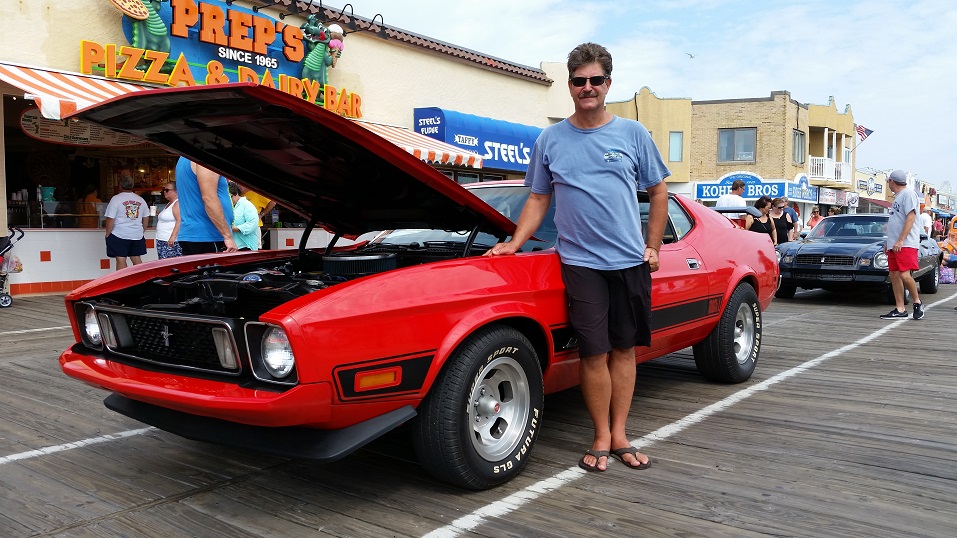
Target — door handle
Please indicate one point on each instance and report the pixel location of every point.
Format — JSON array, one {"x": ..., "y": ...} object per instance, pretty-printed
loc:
[{"x": 692, "y": 263}]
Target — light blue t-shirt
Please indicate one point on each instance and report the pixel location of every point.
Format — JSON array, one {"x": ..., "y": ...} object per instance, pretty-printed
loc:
[
  {"x": 594, "y": 175},
  {"x": 194, "y": 222},
  {"x": 905, "y": 202}
]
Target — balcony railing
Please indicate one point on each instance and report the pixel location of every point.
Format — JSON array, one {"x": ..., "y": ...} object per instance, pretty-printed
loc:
[{"x": 823, "y": 169}]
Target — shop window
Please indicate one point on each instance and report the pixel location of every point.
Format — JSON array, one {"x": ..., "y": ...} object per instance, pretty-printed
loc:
[
  {"x": 492, "y": 177},
  {"x": 675, "y": 143},
  {"x": 466, "y": 178},
  {"x": 800, "y": 147},
  {"x": 737, "y": 145}
]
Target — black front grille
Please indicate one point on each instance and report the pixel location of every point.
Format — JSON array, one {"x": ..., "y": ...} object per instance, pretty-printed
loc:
[
  {"x": 835, "y": 277},
  {"x": 824, "y": 259},
  {"x": 171, "y": 340}
]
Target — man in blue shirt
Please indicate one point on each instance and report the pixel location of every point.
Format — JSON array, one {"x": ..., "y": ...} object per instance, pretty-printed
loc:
[
  {"x": 206, "y": 211},
  {"x": 593, "y": 163}
]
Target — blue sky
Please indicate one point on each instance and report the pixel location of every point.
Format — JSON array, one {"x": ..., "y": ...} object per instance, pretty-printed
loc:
[{"x": 892, "y": 61}]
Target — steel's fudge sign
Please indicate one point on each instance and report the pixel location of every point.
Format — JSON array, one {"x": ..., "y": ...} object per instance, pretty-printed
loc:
[{"x": 187, "y": 42}]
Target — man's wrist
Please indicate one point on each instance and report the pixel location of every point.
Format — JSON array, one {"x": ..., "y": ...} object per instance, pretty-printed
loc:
[{"x": 656, "y": 249}]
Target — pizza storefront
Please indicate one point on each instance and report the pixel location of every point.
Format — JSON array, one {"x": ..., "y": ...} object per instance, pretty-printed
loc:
[{"x": 56, "y": 175}]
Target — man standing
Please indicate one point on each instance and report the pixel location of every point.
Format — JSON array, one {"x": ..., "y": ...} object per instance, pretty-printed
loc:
[
  {"x": 205, "y": 209},
  {"x": 927, "y": 222},
  {"x": 733, "y": 198},
  {"x": 594, "y": 162},
  {"x": 126, "y": 216},
  {"x": 901, "y": 243}
]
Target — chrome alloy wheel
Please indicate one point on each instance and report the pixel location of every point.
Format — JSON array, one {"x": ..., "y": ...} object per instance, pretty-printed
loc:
[
  {"x": 744, "y": 331},
  {"x": 499, "y": 408}
]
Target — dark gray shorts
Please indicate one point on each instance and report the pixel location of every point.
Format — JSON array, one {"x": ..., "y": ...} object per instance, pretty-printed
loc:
[{"x": 609, "y": 309}]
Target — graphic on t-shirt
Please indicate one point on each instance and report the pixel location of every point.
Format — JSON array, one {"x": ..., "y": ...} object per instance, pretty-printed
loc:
[
  {"x": 612, "y": 156},
  {"x": 132, "y": 209}
]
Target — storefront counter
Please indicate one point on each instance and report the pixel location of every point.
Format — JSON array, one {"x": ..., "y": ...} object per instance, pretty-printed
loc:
[{"x": 57, "y": 260}]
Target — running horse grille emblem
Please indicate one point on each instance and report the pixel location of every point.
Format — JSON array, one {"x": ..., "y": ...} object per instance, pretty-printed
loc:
[{"x": 166, "y": 334}]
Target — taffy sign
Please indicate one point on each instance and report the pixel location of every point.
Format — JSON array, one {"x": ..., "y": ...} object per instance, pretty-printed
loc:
[{"x": 186, "y": 42}]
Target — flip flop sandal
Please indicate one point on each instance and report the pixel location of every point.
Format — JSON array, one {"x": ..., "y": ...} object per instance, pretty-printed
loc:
[
  {"x": 598, "y": 455},
  {"x": 620, "y": 453}
]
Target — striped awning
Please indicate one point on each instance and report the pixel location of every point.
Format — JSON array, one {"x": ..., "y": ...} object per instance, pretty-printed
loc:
[
  {"x": 427, "y": 149},
  {"x": 60, "y": 94}
]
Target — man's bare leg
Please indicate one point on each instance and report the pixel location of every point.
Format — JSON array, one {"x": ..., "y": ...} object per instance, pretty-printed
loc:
[
  {"x": 622, "y": 369},
  {"x": 596, "y": 386}
]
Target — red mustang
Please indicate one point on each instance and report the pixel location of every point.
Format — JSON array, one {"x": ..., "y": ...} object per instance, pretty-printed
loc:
[{"x": 313, "y": 353}]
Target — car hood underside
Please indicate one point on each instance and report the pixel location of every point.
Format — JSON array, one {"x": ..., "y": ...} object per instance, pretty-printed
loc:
[{"x": 329, "y": 169}]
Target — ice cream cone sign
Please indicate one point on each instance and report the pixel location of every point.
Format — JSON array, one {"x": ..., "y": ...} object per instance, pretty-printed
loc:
[{"x": 335, "y": 49}]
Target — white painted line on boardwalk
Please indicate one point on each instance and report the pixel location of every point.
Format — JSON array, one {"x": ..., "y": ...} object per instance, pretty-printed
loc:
[
  {"x": 519, "y": 498},
  {"x": 70, "y": 446},
  {"x": 25, "y": 331}
]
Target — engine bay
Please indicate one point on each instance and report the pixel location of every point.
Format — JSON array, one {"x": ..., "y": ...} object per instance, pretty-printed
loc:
[{"x": 249, "y": 290}]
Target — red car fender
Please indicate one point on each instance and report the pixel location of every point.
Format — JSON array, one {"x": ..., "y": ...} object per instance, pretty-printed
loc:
[{"x": 486, "y": 315}]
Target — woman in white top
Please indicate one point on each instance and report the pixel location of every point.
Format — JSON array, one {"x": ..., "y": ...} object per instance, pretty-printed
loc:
[{"x": 167, "y": 225}]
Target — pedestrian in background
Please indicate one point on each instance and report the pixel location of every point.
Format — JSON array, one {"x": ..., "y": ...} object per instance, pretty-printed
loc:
[
  {"x": 783, "y": 224},
  {"x": 126, "y": 217},
  {"x": 833, "y": 210},
  {"x": 762, "y": 224},
  {"x": 815, "y": 217},
  {"x": 593, "y": 163},
  {"x": 263, "y": 206},
  {"x": 901, "y": 243},
  {"x": 206, "y": 210},
  {"x": 245, "y": 220},
  {"x": 795, "y": 217},
  {"x": 167, "y": 225},
  {"x": 87, "y": 206},
  {"x": 927, "y": 222},
  {"x": 733, "y": 198}
]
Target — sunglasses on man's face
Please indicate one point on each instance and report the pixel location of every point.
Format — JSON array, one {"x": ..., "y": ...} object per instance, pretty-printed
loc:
[
  {"x": 167, "y": 190},
  {"x": 597, "y": 80}
]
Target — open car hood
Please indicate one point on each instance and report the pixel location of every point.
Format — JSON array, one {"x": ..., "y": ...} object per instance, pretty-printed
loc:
[{"x": 324, "y": 167}]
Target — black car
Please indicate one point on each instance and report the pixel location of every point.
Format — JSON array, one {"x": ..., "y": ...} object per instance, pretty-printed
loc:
[{"x": 846, "y": 252}]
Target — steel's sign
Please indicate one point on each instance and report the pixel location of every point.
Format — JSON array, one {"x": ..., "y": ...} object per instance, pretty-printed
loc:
[{"x": 187, "y": 42}]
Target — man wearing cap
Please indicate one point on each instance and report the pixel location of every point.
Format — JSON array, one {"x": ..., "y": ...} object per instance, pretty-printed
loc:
[{"x": 901, "y": 243}]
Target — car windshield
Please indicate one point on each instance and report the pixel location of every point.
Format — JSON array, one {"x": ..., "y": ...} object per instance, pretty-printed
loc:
[
  {"x": 506, "y": 199},
  {"x": 869, "y": 226}
]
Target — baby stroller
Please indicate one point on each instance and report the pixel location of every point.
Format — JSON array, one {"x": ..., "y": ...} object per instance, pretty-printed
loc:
[{"x": 8, "y": 265}]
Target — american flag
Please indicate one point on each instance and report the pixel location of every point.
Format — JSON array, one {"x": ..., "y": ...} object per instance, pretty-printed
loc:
[{"x": 863, "y": 132}]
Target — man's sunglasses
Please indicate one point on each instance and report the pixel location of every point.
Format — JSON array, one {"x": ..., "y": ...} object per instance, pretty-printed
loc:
[
  {"x": 167, "y": 190},
  {"x": 597, "y": 80}
]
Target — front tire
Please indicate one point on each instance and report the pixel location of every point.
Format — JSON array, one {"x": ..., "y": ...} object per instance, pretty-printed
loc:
[
  {"x": 785, "y": 291},
  {"x": 930, "y": 283},
  {"x": 477, "y": 426},
  {"x": 5, "y": 300},
  {"x": 730, "y": 353}
]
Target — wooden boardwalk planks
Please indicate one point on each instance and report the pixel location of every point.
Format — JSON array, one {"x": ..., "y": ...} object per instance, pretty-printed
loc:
[{"x": 862, "y": 444}]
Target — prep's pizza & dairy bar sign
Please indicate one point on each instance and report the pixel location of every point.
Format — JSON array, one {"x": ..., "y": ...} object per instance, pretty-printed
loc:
[{"x": 185, "y": 43}]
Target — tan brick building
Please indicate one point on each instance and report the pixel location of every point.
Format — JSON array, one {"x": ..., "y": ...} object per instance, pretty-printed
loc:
[{"x": 775, "y": 138}]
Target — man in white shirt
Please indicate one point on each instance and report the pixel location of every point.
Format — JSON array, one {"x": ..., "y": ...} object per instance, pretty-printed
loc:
[
  {"x": 733, "y": 198},
  {"x": 126, "y": 217},
  {"x": 926, "y": 222}
]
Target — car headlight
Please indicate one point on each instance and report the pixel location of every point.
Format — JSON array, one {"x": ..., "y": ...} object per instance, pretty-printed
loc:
[
  {"x": 277, "y": 353},
  {"x": 91, "y": 327},
  {"x": 880, "y": 260}
]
